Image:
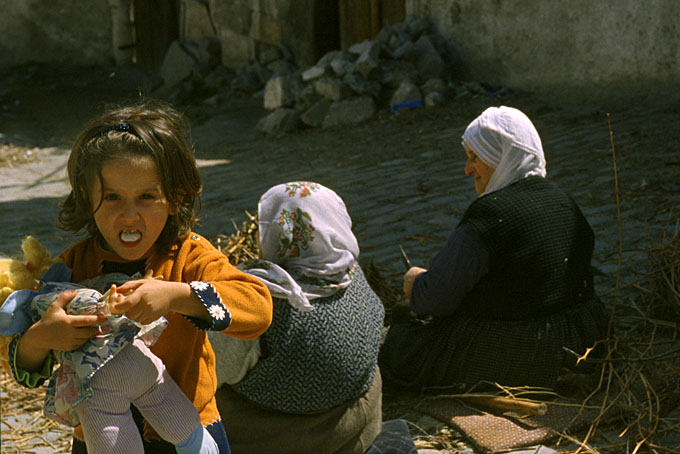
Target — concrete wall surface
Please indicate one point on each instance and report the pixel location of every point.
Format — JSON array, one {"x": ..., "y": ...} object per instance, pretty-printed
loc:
[
  {"x": 251, "y": 29},
  {"x": 61, "y": 31},
  {"x": 563, "y": 48},
  {"x": 567, "y": 48}
]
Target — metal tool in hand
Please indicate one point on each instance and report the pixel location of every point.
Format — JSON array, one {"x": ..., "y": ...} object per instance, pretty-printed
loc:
[
  {"x": 404, "y": 258},
  {"x": 420, "y": 319}
]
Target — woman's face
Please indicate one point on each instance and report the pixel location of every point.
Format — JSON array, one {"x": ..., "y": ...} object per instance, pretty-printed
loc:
[{"x": 476, "y": 168}]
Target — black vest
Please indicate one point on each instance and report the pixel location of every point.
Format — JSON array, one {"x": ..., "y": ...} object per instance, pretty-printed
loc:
[{"x": 539, "y": 245}]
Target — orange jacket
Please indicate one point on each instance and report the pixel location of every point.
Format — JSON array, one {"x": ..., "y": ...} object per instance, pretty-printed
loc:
[{"x": 183, "y": 348}]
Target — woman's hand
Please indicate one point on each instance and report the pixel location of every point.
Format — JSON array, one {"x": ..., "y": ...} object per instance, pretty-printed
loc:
[
  {"x": 409, "y": 279},
  {"x": 146, "y": 300},
  {"x": 56, "y": 330}
]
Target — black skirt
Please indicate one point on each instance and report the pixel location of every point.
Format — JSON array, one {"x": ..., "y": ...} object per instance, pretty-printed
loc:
[{"x": 462, "y": 352}]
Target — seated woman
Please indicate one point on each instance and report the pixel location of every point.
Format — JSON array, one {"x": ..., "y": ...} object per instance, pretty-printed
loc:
[
  {"x": 316, "y": 386},
  {"x": 512, "y": 286}
]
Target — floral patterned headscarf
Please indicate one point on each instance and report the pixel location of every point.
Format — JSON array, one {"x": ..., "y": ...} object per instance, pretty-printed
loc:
[{"x": 307, "y": 244}]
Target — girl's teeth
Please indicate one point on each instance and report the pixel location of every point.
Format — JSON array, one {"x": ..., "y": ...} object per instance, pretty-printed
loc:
[{"x": 130, "y": 236}]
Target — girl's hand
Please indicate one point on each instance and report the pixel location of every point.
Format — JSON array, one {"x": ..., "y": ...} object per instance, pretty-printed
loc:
[
  {"x": 56, "y": 330},
  {"x": 147, "y": 300},
  {"x": 409, "y": 279},
  {"x": 62, "y": 331}
]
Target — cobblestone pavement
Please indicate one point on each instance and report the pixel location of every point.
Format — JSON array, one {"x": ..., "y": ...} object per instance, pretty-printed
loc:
[{"x": 401, "y": 176}]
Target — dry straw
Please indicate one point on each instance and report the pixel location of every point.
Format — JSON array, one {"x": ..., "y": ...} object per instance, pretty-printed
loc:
[
  {"x": 23, "y": 426},
  {"x": 638, "y": 379}
]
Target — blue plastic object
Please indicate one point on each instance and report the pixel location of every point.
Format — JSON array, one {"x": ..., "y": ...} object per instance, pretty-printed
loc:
[{"x": 406, "y": 104}]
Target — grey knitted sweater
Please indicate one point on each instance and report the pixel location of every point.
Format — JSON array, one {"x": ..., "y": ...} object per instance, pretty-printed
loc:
[{"x": 312, "y": 361}]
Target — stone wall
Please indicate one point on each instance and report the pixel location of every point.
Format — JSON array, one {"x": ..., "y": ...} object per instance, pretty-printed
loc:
[
  {"x": 564, "y": 48},
  {"x": 62, "y": 31},
  {"x": 257, "y": 29}
]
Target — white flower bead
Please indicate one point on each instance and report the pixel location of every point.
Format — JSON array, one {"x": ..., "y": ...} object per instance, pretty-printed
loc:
[
  {"x": 216, "y": 311},
  {"x": 200, "y": 286}
]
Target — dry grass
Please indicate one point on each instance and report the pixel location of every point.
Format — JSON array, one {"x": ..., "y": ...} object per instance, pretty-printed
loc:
[
  {"x": 11, "y": 155},
  {"x": 31, "y": 433},
  {"x": 241, "y": 245},
  {"x": 640, "y": 371}
]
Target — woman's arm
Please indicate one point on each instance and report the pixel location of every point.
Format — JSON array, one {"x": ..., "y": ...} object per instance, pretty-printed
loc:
[
  {"x": 410, "y": 279},
  {"x": 455, "y": 270}
]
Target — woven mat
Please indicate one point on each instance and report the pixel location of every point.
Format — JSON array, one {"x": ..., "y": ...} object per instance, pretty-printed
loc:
[{"x": 493, "y": 432}]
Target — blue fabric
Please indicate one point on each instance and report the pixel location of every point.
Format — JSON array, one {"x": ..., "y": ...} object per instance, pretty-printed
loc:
[
  {"x": 13, "y": 321},
  {"x": 70, "y": 384},
  {"x": 13, "y": 318},
  {"x": 218, "y": 433},
  {"x": 57, "y": 272},
  {"x": 540, "y": 248},
  {"x": 394, "y": 438},
  {"x": 200, "y": 441}
]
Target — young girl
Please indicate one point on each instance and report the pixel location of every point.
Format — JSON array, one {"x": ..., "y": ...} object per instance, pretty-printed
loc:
[{"x": 134, "y": 185}]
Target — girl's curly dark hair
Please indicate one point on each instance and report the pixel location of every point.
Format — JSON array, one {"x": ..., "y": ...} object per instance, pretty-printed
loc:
[{"x": 149, "y": 129}]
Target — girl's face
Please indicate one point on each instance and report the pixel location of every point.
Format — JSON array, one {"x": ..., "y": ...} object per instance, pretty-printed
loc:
[{"x": 133, "y": 208}]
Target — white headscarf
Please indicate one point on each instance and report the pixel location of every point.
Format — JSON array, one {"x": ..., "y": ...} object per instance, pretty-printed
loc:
[
  {"x": 307, "y": 243},
  {"x": 505, "y": 139}
]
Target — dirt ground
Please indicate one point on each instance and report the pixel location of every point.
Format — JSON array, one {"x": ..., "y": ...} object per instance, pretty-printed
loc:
[{"x": 43, "y": 107}]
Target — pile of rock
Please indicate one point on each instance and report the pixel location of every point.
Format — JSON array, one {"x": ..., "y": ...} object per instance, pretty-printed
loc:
[
  {"x": 407, "y": 65},
  {"x": 192, "y": 71}
]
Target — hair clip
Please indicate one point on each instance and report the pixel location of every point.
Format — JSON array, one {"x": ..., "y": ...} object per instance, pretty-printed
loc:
[{"x": 122, "y": 127}]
